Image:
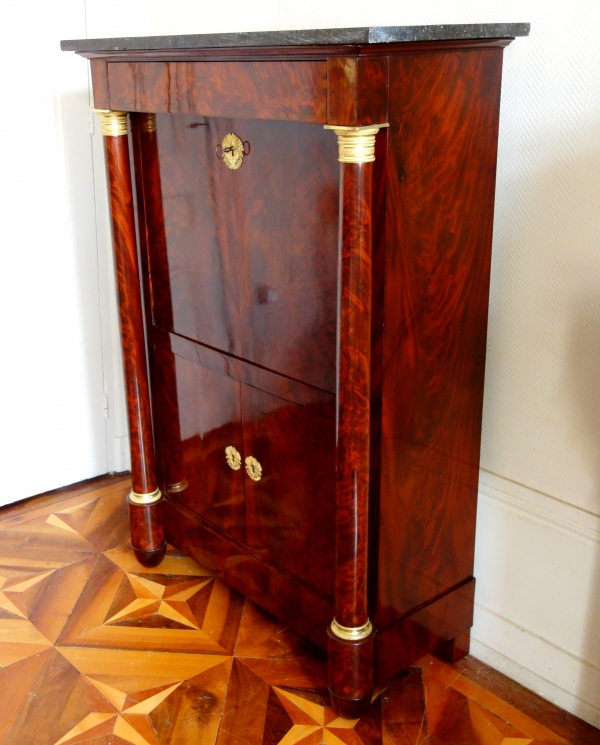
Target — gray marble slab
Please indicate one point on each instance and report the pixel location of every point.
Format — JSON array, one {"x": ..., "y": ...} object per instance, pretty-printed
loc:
[{"x": 372, "y": 35}]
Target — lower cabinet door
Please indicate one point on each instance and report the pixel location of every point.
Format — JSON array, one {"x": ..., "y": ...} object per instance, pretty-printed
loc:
[
  {"x": 201, "y": 441},
  {"x": 259, "y": 467},
  {"x": 289, "y": 464}
]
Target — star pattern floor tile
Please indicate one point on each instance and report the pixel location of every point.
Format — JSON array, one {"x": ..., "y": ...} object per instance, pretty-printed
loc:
[{"x": 96, "y": 649}]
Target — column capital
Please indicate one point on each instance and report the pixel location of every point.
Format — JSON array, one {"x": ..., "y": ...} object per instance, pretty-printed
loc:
[
  {"x": 112, "y": 123},
  {"x": 147, "y": 122},
  {"x": 356, "y": 144}
]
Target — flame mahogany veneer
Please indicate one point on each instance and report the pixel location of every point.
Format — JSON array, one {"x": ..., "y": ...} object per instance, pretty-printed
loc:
[{"x": 328, "y": 320}]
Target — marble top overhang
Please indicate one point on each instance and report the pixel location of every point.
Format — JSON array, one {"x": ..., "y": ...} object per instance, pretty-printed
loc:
[{"x": 313, "y": 37}]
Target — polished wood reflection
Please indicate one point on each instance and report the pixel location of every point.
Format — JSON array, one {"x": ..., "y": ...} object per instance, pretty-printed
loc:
[
  {"x": 276, "y": 89},
  {"x": 295, "y": 446},
  {"x": 326, "y": 323},
  {"x": 130, "y": 310},
  {"x": 245, "y": 261},
  {"x": 289, "y": 430},
  {"x": 147, "y": 526},
  {"x": 435, "y": 306}
]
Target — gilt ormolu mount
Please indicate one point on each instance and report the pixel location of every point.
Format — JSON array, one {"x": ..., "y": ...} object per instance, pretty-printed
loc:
[{"x": 307, "y": 421}]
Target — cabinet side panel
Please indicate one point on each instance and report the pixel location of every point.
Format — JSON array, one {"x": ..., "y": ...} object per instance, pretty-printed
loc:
[
  {"x": 431, "y": 629},
  {"x": 441, "y": 178},
  {"x": 99, "y": 72}
]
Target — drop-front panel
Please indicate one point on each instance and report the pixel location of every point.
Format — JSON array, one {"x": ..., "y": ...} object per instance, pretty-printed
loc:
[
  {"x": 248, "y": 264},
  {"x": 315, "y": 319}
]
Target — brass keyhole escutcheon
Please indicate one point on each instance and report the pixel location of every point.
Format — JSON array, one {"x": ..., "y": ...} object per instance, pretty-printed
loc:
[
  {"x": 253, "y": 468},
  {"x": 232, "y": 151},
  {"x": 233, "y": 458}
]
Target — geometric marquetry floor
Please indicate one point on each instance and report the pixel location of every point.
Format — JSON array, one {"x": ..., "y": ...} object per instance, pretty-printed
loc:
[{"x": 96, "y": 649}]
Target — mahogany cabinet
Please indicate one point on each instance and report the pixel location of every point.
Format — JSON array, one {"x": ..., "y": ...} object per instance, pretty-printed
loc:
[{"x": 302, "y": 224}]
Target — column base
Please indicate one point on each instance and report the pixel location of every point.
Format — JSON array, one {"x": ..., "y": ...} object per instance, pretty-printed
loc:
[
  {"x": 147, "y": 531},
  {"x": 150, "y": 557},
  {"x": 350, "y": 672},
  {"x": 350, "y": 708}
]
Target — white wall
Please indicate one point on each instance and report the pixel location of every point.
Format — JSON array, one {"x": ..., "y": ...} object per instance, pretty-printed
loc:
[
  {"x": 52, "y": 429},
  {"x": 538, "y": 550}
]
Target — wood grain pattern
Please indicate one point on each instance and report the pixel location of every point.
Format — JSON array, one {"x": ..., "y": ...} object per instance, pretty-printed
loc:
[
  {"x": 350, "y": 664},
  {"x": 378, "y": 259},
  {"x": 441, "y": 627},
  {"x": 147, "y": 532},
  {"x": 441, "y": 177},
  {"x": 241, "y": 279},
  {"x": 130, "y": 310},
  {"x": 295, "y": 446},
  {"x": 261, "y": 90},
  {"x": 438, "y": 673},
  {"x": 172, "y": 456},
  {"x": 91, "y": 651},
  {"x": 124, "y": 607},
  {"x": 357, "y": 91},
  {"x": 151, "y": 234},
  {"x": 151, "y": 216},
  {"x": 236, "y": 369},
  {"x": 249, "y": 265},
  {"x": 274, "y": 517},
  {"x": 298, "y": 605},
  {"x": 353, "y": 405},
  {"x": 209, "y": 419},
  {"x": 99, "y": 71},
  {"x": 569, "y": 727}
]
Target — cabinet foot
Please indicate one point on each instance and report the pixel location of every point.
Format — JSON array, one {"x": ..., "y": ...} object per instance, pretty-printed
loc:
[
  {"x": 147, "y": 531},
  {"x": 350, "y": 708},
  {"x": 150, "y": 558},
  {"x": 350, "y": 672},
  {"x": 455, "y": 649}
]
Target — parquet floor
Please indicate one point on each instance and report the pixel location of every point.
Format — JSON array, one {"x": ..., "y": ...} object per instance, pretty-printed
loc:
[{"x": 96, "y": 649}]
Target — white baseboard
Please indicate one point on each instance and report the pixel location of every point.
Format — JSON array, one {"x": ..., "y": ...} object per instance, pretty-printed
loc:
[
  {"x": 541, "y": 509},
  {"x": 524, "y": 654},
  {"x": 537, "y": 613}
]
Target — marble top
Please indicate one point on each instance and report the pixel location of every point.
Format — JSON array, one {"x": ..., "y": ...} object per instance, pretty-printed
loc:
[{"x": 367, "y": 35}]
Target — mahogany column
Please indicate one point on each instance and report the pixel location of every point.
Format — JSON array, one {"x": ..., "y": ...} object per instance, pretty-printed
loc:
[
  {"x": 351, "y": 634},
  {"x": 145, "y": 500},
  {"x": 153, "y": 242}
]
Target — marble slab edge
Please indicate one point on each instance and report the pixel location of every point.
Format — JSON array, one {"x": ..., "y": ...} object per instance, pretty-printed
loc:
[{"x": 366, "y": 35}]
